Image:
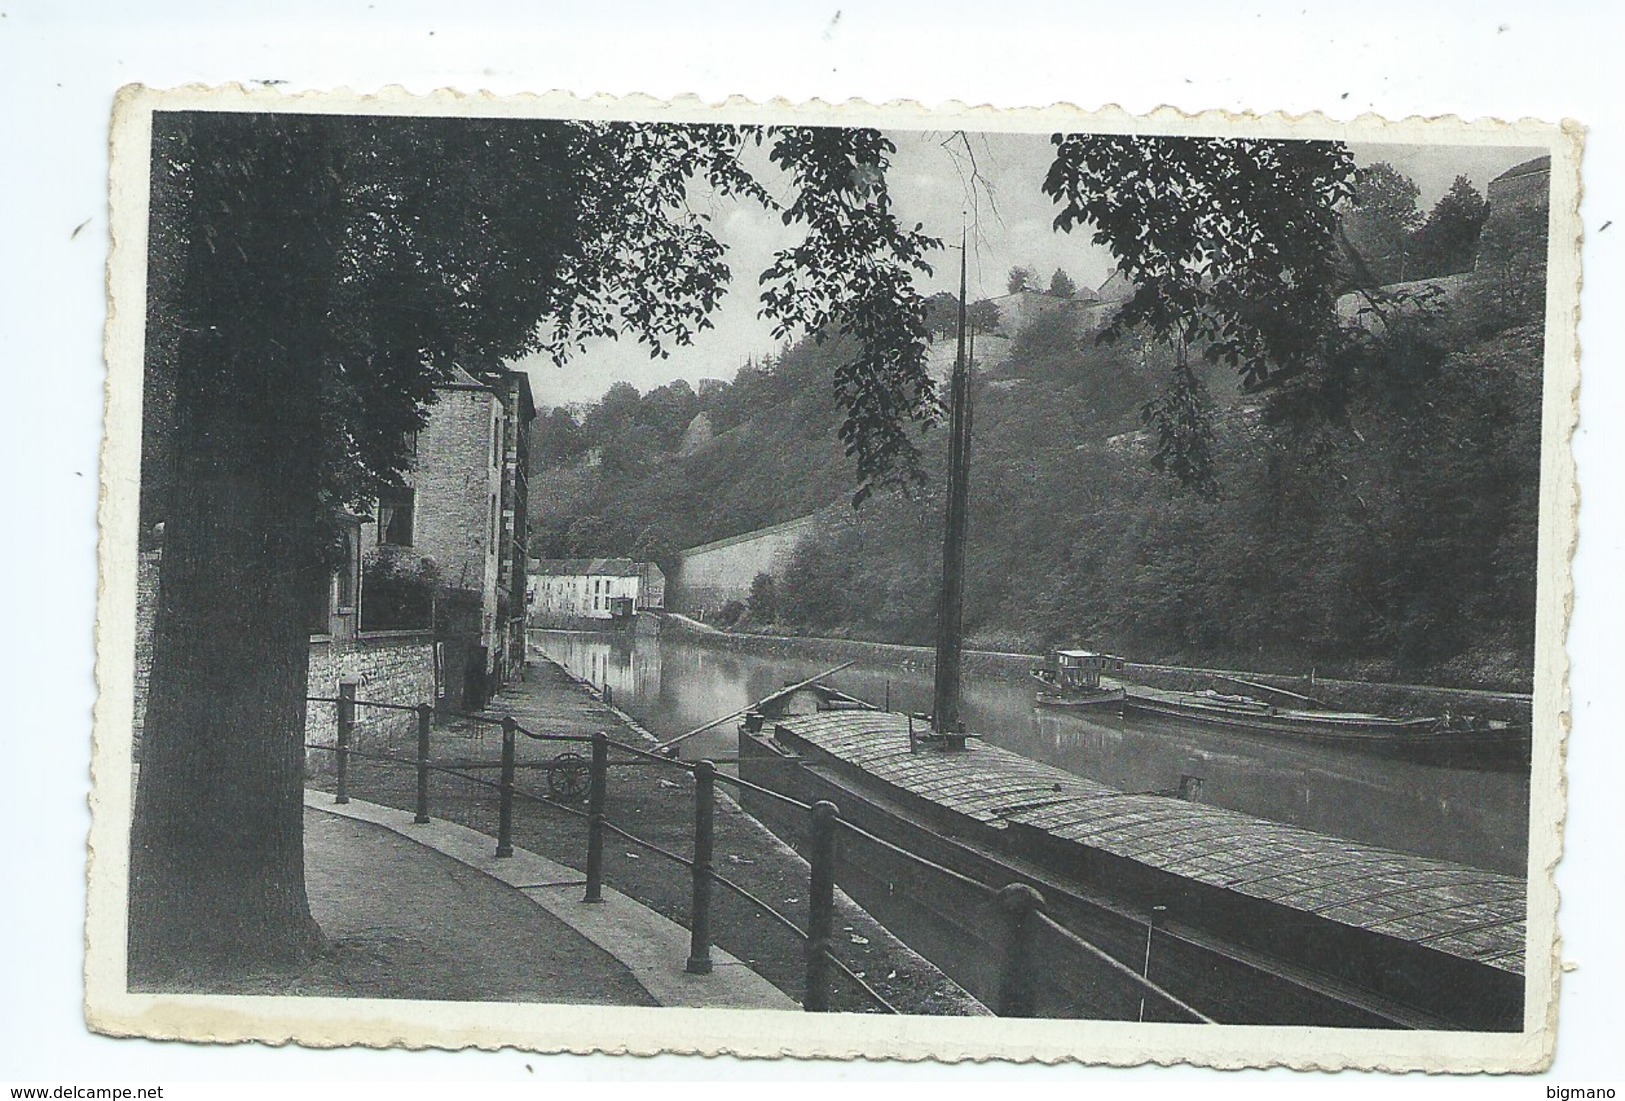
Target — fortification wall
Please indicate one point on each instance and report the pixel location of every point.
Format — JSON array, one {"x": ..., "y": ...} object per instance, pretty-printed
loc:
[
  {"x": 1507, "y": 284},
  {"x": 1510, "y": 272},
  {"x": 710, "y": 575}
]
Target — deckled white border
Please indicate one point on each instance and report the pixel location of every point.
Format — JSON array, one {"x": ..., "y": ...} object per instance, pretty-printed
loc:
[{"x": 388, "y": 1023}]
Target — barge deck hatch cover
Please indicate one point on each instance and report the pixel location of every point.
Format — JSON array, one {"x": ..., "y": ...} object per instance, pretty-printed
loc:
[{"x": 1474, "y": 915}]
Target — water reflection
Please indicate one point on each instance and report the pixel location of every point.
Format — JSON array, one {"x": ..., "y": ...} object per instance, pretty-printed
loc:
[{"x": 673, "y": 685}]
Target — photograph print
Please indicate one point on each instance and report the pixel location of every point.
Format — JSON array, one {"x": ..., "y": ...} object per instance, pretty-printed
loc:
[{"x": 1090, "y": 584}]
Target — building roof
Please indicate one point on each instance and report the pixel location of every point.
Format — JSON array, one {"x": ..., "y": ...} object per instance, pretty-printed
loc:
[
  {"x": 498, "y": 380},
  {"x": 586, "y": 567},
  {"x": 461, "y": 379},
  {"x": 1527, "y": 168}
]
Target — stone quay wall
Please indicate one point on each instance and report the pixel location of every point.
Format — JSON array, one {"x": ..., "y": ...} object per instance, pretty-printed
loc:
[{"x": 386, "y": 667}]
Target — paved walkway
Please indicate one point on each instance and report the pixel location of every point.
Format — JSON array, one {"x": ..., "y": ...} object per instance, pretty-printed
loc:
[
  {"x": 427, "y": 911},
  {"x": 408, "y": 922},
  {"x": 550, "y": 701}
]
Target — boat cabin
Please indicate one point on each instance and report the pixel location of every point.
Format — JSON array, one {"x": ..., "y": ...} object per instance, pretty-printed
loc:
[{"x": 1082, "y": 668}]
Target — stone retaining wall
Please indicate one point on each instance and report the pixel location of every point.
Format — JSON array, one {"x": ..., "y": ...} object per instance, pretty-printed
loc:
[
  {"x": 711, "y": 575},
  {"x": 386, "y": 667}
]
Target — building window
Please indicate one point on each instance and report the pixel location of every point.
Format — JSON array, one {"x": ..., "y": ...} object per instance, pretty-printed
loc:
[
  {"x": 395, "y": 518},
  {"x": 321, "y": 605},
  {"x": 344, "y": 586}
]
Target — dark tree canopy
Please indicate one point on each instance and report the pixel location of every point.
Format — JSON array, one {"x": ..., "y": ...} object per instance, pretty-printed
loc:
[
  {"x": 1447, "y": 242},
  {"x": 1061, "y": 284},
  {"x": 433, "y": 242},
  {"x": 942, "y": 315},
  {"x": 764, "y": 600},
  {"x": 853, "y": 274},
  {"x": 557, "y": 436},
  {"x": 1021, "y": 278},
  {"x": 982, "y": 316},
  {"x": 1380, "y": 220},
  {"x": 1232, "y": 248},
  {"x": 1229, "y": 243}
]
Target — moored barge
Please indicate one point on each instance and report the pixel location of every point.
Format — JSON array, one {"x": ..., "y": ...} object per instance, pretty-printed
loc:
[
  {"x": 1427, "y": 739},
  {"x": 1247, "y": 920},
  {"x": 1071, "y": 679}
]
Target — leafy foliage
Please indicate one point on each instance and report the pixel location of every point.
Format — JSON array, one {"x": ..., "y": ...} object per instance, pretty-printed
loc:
[
  {"x": 942, "y": 315},
  {"x": 1379, "y": 221},
  {"x": 1230, "y": 243},
  {"x": 400, "y": 589},
  {"x": 1231, "y": 247},
  {"x": 1182, "y": 418},
  {"x": 433, "y": 242},
  {"x": 764, "y": 599},
  {"x": 982, "y": 316},
  {"x": 853, "y": 274},
  {"x": 1448, "y": 241}
]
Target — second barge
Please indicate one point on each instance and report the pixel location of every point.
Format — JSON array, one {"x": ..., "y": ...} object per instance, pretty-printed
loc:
[{"x": 1429, "y": 739}]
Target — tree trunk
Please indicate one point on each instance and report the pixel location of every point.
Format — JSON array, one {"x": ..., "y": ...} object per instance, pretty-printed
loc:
[{"x": 217, "y": 882}]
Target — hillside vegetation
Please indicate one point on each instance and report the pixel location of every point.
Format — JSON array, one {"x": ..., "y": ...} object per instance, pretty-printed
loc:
[
  {"x": 1376, "y": 520},
  {"x": 1396, "y": 539}
]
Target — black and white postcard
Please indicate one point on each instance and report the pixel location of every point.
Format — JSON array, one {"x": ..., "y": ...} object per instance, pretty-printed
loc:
[{"x": 643, "y": 576}]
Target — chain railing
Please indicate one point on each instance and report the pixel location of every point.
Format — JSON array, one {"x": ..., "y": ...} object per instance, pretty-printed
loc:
[{"x": 1020, "y": 906}]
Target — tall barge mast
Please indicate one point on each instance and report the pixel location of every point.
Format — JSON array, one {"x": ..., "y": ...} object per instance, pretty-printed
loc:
[{"x": 945, "y": 716}]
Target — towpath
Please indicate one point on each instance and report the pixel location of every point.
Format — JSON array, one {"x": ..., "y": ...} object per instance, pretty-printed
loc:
[
  {"x": 406, "y": 921},
  {"x": 428, "y": 911},
  {"x": 656, "y": 803}
]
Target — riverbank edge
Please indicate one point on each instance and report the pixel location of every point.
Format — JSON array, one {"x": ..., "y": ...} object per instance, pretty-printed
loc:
[
  {"x": 1376, "y": 696},
  {"x": 963, "y": 1002}
]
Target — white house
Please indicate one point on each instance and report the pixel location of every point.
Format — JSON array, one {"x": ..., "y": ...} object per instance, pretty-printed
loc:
[{"x": 565, "y": 591}]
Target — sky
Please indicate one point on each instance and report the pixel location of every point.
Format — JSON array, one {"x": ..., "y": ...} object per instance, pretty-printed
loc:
[{"x": 930, "y": 182}]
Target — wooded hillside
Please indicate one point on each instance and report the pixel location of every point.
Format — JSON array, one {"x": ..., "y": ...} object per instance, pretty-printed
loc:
[{"x": 1379, "y": 518}]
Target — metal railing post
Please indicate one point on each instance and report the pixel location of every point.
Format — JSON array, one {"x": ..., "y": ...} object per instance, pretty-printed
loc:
[
  {"x": 821, "y": 906},
  {"x": 1018, "y": 973},
  {"x": 699, "y": 943},
  {"x": 425, "y": 716},
  {"x": 346, "y": 713},
  {"x": 1150, "y": 928},
  {"x": 505, "y": 810},
  {"x": 597, "y": 793}
]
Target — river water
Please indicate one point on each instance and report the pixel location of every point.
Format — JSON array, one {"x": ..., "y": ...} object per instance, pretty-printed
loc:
[{"x": 673, "y": 684}]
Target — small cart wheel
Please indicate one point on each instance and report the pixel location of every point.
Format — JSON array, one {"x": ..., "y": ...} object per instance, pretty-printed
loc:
[{"x": 567, "y": 776}]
